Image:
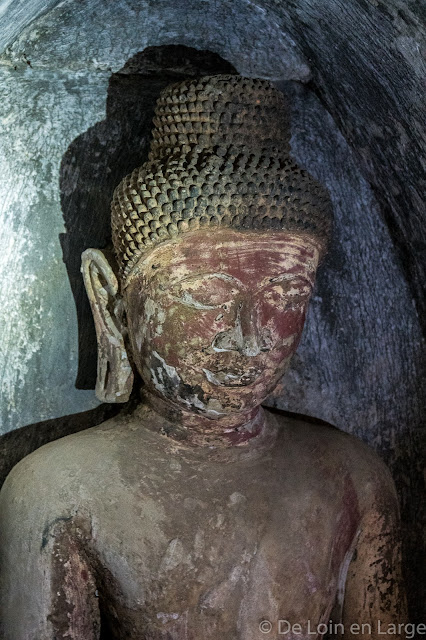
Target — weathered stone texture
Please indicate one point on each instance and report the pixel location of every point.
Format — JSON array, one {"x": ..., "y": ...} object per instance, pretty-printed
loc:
[
  {"x": 241, "y": 32},
  {"x": 41, "y": 114},
  {"x": 64, "y": 118}
]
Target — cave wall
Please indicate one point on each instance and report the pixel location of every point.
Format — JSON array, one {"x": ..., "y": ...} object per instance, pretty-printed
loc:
[{"x": 76, "y": 102}]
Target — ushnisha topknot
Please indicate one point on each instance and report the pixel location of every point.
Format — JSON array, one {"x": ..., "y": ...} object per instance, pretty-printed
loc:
[
  {"x": 219, "y": 157},
  {"x": 216, "y": 111}
]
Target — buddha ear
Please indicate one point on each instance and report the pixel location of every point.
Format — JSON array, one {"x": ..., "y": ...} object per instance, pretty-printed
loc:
[{"x": 115, "y": 376}]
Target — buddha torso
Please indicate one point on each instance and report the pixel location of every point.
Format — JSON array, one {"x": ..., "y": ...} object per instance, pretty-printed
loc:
[{"x": 191, "y": 542}]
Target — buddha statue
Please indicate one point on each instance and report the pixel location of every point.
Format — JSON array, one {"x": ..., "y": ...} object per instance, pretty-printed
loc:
[{"x": 197, "y": 513}]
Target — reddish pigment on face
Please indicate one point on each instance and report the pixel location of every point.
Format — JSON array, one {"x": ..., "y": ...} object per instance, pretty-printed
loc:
[{"x": 215, "y": 317}]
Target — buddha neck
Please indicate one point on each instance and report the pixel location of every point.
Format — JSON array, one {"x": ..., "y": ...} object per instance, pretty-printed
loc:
[{"x": 196, "y": 430}]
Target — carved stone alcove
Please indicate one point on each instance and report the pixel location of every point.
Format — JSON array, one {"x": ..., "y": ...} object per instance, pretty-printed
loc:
[{"x": 77, "y": 120}]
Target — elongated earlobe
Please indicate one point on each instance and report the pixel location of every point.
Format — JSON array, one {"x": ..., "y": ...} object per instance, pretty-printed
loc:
[{"x": 115, "y": 376}]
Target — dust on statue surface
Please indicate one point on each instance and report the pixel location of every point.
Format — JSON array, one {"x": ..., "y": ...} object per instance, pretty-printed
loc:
[{"x": 201, "y": 514}]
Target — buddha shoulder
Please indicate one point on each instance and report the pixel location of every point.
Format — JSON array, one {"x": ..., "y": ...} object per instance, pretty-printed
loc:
[
  {"x": 59, "y": 465},
  {"x": 316, "y": 447}
]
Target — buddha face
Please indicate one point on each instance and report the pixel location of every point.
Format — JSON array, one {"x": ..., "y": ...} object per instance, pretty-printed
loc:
[{"x": 215, "y": 317}]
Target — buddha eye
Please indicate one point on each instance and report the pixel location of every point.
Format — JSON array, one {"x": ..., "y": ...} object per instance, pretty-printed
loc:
[
  {"x": 288, "y": 294},
  {"x": 207, "y": 292},
  {"x": 200, "y": 302}
]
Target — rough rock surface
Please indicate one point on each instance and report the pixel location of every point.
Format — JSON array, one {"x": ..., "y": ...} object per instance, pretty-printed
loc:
[{"x": 66, "y": 140}]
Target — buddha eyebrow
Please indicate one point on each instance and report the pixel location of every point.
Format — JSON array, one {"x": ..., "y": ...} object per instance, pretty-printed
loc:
[
  {"x": 291, "y": 276},
  {"x": 210, "y": 276},
  {"x": 187, "y": 299}
]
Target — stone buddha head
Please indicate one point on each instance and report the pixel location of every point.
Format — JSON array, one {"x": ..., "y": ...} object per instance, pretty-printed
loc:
[{"x": 217, "y": 239}]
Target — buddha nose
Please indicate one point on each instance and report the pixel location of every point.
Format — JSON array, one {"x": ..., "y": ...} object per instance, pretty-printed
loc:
[{"x": 243, "y": 336}]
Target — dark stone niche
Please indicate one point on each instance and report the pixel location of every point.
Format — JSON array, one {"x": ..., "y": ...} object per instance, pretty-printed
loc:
[{"x": 376, "y": 106}]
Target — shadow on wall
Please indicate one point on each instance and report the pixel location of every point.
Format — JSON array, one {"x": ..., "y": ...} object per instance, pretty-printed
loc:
[{"x": 96, "y": 161}]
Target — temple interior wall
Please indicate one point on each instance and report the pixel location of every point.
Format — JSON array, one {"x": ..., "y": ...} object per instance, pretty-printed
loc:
[{"x": 78, "y": 87}]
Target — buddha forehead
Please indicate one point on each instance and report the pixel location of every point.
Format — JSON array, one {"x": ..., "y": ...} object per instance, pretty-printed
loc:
[{"x": 246, "y": 256}]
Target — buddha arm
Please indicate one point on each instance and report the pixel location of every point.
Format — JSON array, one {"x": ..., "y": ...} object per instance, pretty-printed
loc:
[
  {"x": 374, "y": 602},
  {"x": 46, "y": 586}
]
